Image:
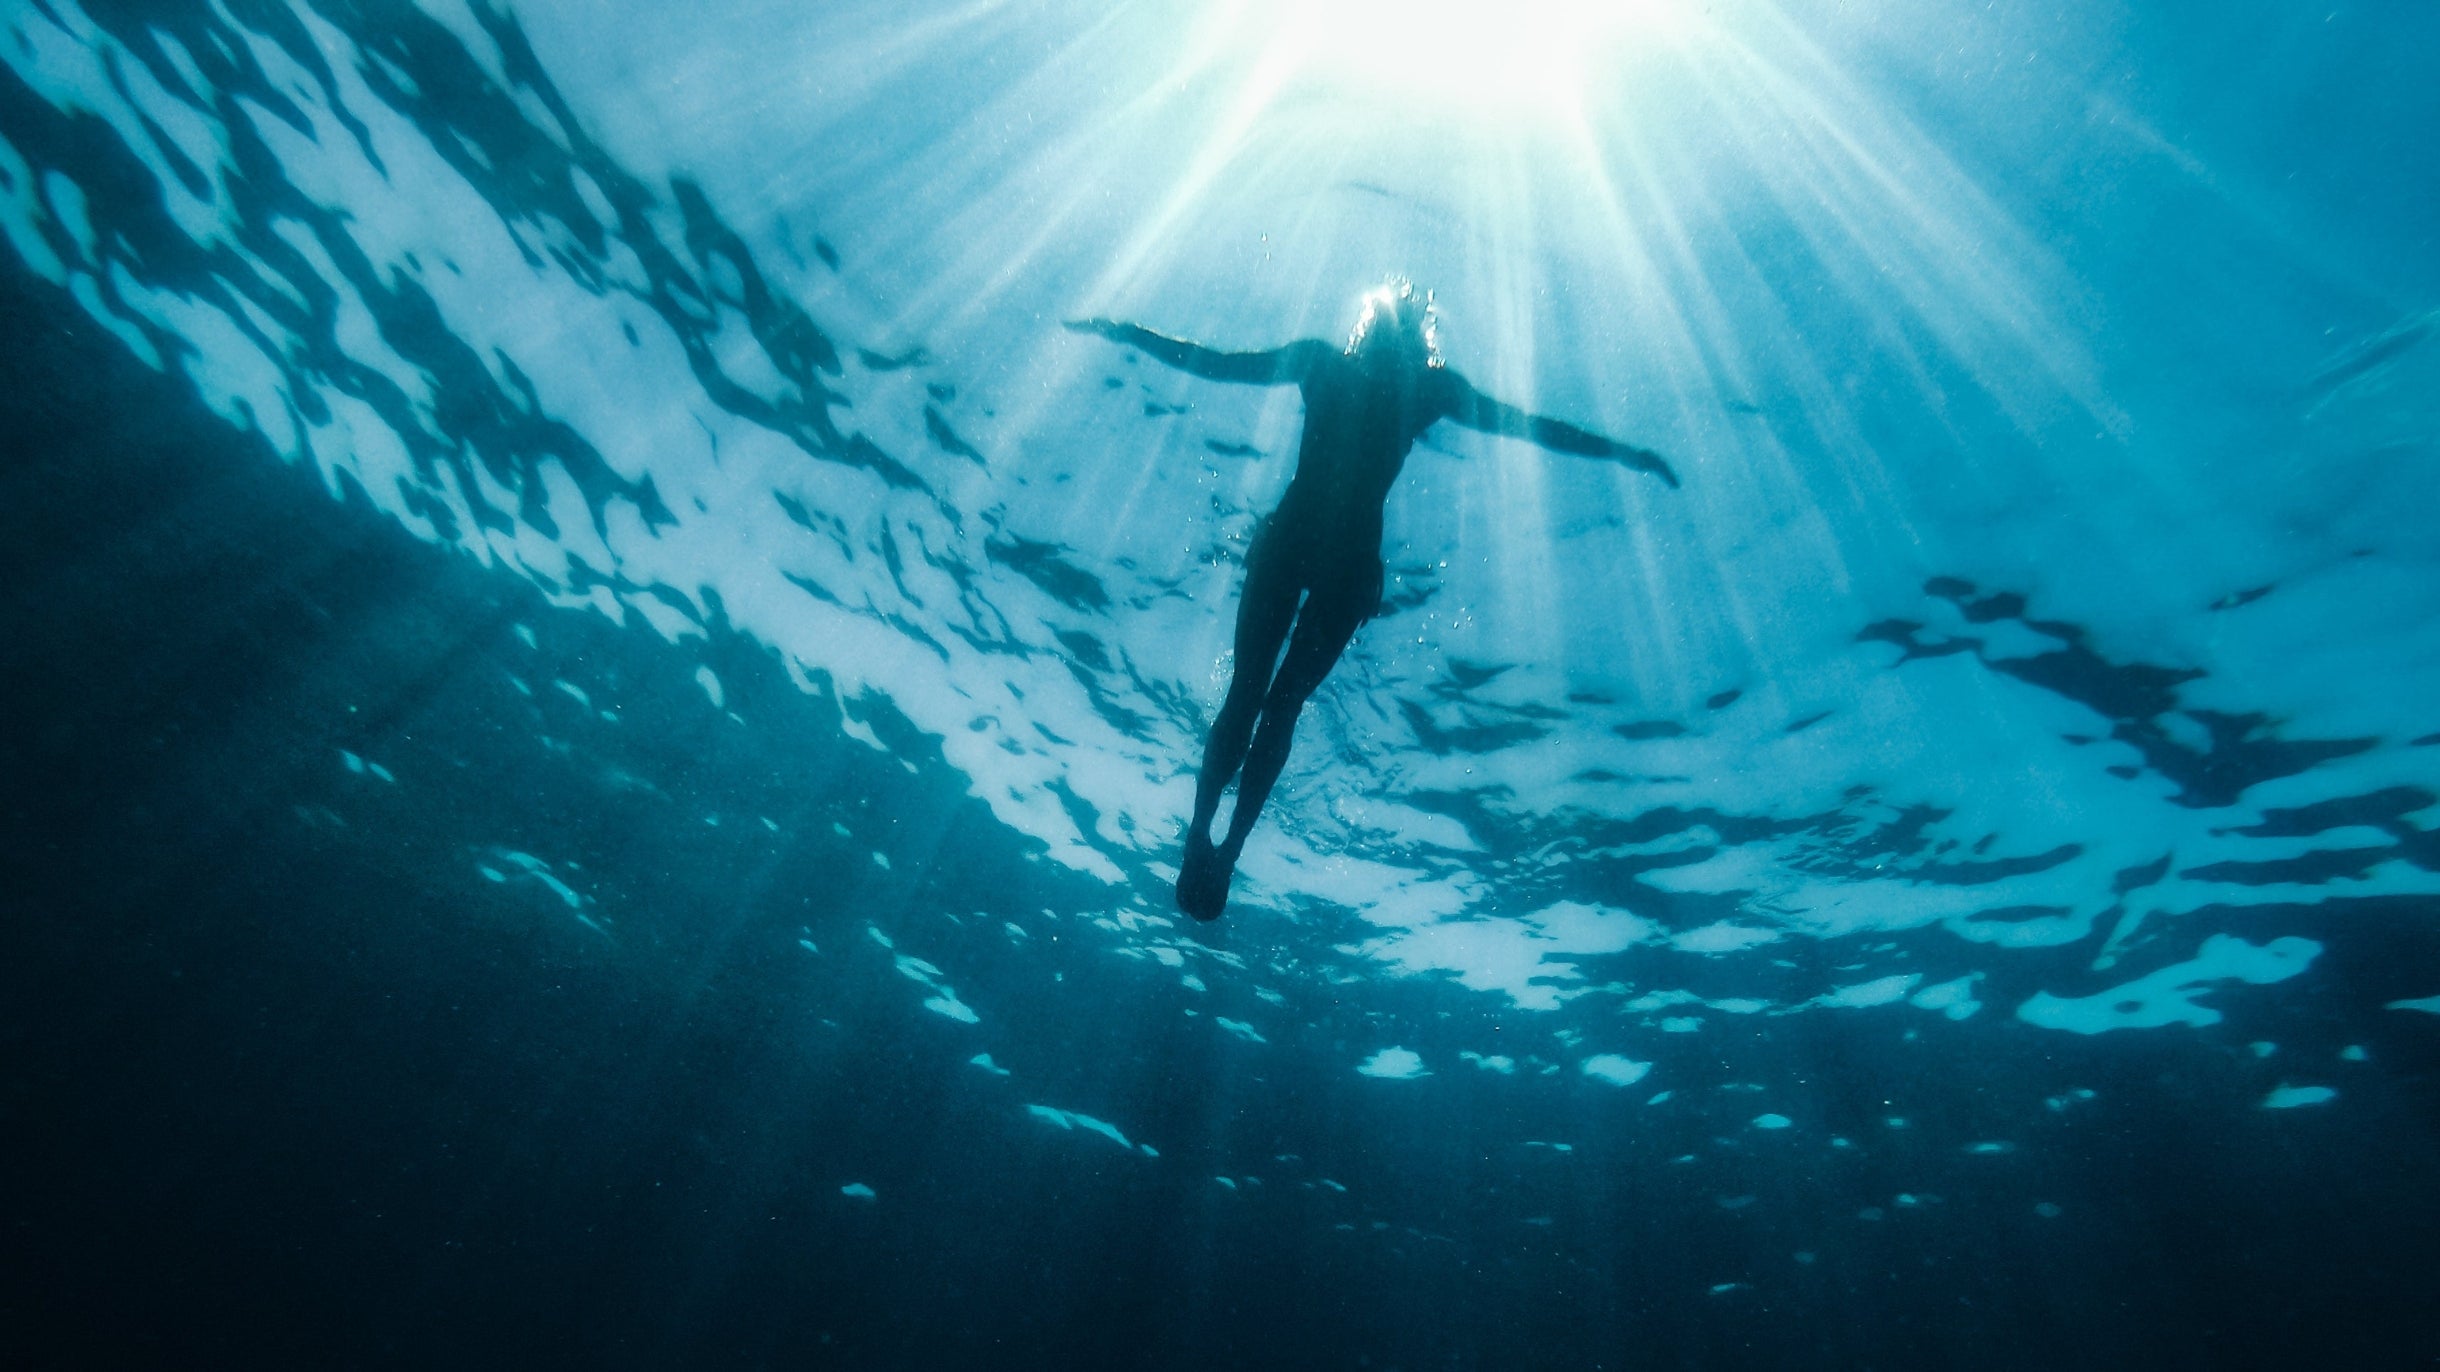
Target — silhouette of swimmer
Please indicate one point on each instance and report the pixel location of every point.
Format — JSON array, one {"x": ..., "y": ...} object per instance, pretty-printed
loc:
[{"x": 1364, "y": 409}]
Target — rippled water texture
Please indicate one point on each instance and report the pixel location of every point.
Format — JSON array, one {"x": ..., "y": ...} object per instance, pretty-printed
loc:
[{"x": 608, "y": 700}]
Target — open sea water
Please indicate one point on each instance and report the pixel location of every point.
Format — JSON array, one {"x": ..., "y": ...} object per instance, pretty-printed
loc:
[{"x": 598, "y": 703}]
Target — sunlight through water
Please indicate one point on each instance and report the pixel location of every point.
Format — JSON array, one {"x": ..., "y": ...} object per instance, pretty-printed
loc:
[
  {"x": 1525, "y": 58},
  {"x": 714, "y": 535}
]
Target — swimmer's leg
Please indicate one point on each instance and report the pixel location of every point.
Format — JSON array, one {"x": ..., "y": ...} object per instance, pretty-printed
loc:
[
  {"x": 1265, "y": 610},
  {"x": 1331, "y": 617}
]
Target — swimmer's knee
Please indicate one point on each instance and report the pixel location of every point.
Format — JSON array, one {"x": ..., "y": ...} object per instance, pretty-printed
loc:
[
  {"x": 1286, "y": 701},
  {"x": 1244, "y": 699}
]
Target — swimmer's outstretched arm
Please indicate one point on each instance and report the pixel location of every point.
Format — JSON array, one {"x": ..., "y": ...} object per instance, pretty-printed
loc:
[
  {"x": 1476, "y": 410},
  {"x": 1279, "y": 366}
]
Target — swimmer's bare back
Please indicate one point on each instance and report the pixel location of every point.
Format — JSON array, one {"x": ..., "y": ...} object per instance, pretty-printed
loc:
[{"x": 1365, "y": 406}]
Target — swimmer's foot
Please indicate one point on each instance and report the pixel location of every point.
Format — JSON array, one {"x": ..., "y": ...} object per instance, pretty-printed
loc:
[{"x": 1203, "y": 879}]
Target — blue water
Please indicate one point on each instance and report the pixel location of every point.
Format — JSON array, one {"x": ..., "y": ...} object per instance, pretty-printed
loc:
[{"x": 603, "y": 702}]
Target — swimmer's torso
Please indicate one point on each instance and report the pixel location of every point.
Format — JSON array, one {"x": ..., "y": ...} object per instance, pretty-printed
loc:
[{"x": 1359, "y": 426}]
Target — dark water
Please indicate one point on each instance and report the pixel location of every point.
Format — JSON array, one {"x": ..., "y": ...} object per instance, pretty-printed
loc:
[{"x": 588, "y": 786}]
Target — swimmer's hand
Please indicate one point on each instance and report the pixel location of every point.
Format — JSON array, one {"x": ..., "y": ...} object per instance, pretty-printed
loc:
[
  {"x": 1131, "y": 336},
  {"x": 1643, "y": 460}
]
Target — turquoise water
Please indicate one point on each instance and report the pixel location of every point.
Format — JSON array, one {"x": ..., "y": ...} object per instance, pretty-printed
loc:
[{"x": 607, "y": 701}]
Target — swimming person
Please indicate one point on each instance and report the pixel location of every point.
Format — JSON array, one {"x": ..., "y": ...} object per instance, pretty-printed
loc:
[{"x": 1364, "y": 409}]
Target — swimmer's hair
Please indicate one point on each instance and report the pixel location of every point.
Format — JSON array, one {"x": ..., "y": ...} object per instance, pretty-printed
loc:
[{"x": 1399, "y": 306}]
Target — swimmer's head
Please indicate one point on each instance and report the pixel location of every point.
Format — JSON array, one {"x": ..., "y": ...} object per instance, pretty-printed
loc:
[{"x": 1397, "y": 326}]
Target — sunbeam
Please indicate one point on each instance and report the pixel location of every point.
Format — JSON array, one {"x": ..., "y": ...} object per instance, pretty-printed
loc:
[{"x": 1521, "y": 60}]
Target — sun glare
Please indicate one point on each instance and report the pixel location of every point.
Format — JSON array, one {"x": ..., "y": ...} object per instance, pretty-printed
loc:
[{"x": 1485, "y": 59}]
